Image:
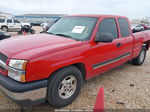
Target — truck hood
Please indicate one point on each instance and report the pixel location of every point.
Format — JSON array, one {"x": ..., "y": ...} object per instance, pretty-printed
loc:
[{"x": 30, "y": 46}]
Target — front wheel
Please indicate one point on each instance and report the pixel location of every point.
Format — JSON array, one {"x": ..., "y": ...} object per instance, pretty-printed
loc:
[
  {"x": 4, "y": 28},
  {"x": 64, "y": 86},
  {"x": 141, "y": 58}
]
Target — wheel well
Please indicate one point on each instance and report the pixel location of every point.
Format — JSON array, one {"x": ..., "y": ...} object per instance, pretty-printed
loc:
[
  {"x": 82, "y": 68},
  {"x": 4, "y": 26}
]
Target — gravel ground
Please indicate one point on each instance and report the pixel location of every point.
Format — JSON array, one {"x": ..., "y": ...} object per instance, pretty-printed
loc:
[{"x": 128, "y": 85}]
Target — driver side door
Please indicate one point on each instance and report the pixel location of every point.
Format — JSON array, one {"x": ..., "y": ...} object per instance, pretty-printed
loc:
[{"x": 106, "y": 55}]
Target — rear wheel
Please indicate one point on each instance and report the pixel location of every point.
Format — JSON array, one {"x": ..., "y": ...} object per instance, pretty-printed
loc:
[
  {"x": 141, "y": 58},
  {"x": 64, "y": 86},
  {"x": 4, "y": 28}
]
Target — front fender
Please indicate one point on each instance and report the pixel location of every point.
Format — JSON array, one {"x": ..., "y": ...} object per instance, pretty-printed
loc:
[{"x": 42, "y": 67}]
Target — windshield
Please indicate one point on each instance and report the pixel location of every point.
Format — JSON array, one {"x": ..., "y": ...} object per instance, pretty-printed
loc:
[{"x": 78, "y": 28}]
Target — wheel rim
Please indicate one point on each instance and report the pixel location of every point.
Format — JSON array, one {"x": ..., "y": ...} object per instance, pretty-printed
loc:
[
  {"x": 67, "y": 87},
  {"x": 4, "y": 29},
  {"x": 142, "y": 56}
]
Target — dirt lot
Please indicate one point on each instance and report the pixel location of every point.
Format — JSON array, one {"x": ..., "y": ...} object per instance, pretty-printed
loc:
[{"x": 127, "y": 84}]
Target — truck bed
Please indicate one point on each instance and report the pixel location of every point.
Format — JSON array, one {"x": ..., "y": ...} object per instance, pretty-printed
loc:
[
  {"x": 139, "y": 39},
  {"x": 144, "y": 35}
]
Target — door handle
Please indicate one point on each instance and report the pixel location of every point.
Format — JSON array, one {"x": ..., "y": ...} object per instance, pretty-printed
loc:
[{"x": 118, "y": 45}]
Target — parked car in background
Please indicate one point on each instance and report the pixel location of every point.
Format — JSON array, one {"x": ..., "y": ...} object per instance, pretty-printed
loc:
[
  {"x": 48, "y": 24},
  {"x": 26, "y": 29},
  {"x": 145, "y": 26},
  {"x": 137, "y": 28},
  {"x": 148, "y": 25},
  {"x": 11, "y": 24},
  {"x": 4, "y": 35}
]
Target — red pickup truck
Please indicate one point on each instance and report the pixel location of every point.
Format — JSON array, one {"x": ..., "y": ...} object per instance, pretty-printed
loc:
[{"x": 52, "y": 67}]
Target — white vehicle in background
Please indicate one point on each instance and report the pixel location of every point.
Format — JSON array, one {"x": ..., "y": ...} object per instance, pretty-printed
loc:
[
  {"x": 11, "y": 24},
  {"x": 137, "y": 28}
]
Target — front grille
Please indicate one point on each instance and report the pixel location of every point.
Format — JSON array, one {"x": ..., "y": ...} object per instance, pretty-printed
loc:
[{"x": 3, "y": 58}]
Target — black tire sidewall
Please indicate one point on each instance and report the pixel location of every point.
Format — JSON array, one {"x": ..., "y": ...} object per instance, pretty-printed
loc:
[
  {"x": 4, "y": 27},
  {"x": 32, "y": 31},
  {"x": 53, "y": 95},
  {"x": 141, "y": 62}
]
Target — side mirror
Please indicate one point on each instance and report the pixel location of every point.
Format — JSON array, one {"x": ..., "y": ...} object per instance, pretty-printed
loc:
[{"x": 104, "y": 37}]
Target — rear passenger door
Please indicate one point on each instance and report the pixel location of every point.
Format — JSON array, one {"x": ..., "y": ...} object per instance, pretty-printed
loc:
[
  {"x": 17, "y": 24},
  {"x": 126, "y": 39},
  {"x": 106, "y": 56}
]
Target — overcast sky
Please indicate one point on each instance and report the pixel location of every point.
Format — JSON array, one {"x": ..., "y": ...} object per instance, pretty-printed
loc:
[{"x": 134, "y": 9}]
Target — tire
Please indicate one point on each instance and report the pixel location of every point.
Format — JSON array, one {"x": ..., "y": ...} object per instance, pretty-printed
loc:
[
  {"x": 57, "y": 87},
  {"x": 4, "y": 28},
  {"x": 32, "y": 31},
  {"x": 141, "y": 57}
]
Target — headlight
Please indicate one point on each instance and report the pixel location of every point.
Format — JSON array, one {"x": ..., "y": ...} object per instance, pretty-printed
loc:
[
  {"x": 18, "y": 64},
  {"x": 17, "y": 69}
]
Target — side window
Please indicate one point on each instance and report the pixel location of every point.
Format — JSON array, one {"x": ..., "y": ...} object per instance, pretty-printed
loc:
[
  {"x": 124, "y": 27},
  {"x": 2, "y": 20},
  {"x": 9, "y": 21},
  {"x": 16, "y": 21},
  {"x": 109, "y": 26}
]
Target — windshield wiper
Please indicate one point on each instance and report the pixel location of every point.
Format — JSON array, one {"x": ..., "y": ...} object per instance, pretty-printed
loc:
[
  {"x": 64, "y": 35},
  {"x": 58, "y": 34},
  {"x": 49, "y": 33}
]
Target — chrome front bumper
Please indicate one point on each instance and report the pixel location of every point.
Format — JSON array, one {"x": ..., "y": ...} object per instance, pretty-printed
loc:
[
  {"x": 30, "y": 96},
  {"x": 24, "y": 93}
]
